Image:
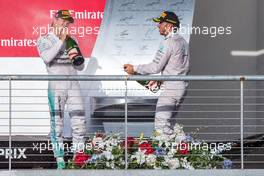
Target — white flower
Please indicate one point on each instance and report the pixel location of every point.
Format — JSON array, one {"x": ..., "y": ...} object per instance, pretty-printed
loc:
[
  {"x": 170, "y": 154},
  {"x": 217, "y": 150},
  {"x": 165, "y": 163},
  {"x": 114, "y": 142},
  {"x": 107, "y": 142},
  {"x": 109, "y": 148},
  {"x": 167, "y": 144},
  {"x": 151, "y": 159},
  {"x": 110, "y": 164},
  {"x": 101, "y": 145},
  {"x": 214, "y": 152},
  {"x": 98, "y": 142},
  {"x": 186, "y": 164},
  {"x": 111, "y": 142},
  {"x": 140, "y": 157},
  {"x": 174, "y": 163},
  {"x": 178, "y": 129},
  {"x": 179, "y": 138},
  {"x": 122, "y": 161},
  {"x": 221, "y": 149},
  {"x": 197, "y": 143},
  {"x": 108, "y": 155},
  {"x": 97, "y": 139},
  {"x": 161, "y": 138}
]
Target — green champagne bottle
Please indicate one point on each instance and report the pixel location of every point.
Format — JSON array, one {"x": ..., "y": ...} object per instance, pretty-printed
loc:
[
  {"x": 74, "y": 52},
  {"x": 146, "y": 84}
]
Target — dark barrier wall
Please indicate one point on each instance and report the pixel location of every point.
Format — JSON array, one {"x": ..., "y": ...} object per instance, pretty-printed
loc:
[
  {"x": 211, "y": 56},
  {"x": 260, "y": 63}
]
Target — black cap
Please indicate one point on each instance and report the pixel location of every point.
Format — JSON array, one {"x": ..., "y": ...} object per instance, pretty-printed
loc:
[
  {"x": 65, "y": 14},
  {"x": 169, "y": 17}
]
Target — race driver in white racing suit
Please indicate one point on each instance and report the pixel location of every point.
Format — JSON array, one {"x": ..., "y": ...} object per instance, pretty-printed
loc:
[
  {"x": 172, "y": 58},
  {"x": 51, "y": 48}
]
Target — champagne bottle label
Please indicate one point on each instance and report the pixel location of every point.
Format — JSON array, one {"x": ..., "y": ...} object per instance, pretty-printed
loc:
[
  {"x": 72, "y": 53},
  {"x": 153, "y": 87}
]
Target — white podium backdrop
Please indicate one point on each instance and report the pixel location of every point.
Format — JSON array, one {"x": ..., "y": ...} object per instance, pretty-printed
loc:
[{"x": 128, "y": 35}]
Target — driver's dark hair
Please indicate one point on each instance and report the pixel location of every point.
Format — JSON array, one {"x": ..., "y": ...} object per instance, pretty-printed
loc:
[{"x": 177, "y": 25}]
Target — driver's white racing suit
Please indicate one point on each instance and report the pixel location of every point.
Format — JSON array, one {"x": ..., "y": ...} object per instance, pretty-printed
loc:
[
  {"x": 172, "y": 58},
  {"x": 52, "y": 51}
]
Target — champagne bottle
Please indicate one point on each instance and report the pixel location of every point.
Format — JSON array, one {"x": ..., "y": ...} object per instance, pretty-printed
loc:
[
  {"x": 74, "y": 52},
  {"x": 147, "y": 85}
]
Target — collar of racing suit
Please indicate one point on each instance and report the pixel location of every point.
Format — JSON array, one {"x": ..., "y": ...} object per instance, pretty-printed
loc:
[{"x": 171, "y": 34}]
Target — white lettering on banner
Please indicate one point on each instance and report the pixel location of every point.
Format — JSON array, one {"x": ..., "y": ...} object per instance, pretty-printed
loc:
[
  {"x": 17, "y": 42},
  {"x": 82, "y": 15},
  {"x": 16, "y": 153}
]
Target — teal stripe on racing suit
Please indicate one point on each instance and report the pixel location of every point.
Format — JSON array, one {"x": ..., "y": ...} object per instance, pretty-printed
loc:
[{"x": 58, "y": 151}]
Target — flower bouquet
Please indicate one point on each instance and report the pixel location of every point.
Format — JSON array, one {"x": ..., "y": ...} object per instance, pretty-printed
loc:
[{"x": 178, "y": 151}]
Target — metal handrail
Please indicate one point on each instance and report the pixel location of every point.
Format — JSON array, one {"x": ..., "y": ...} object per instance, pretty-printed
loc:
[
  {"x": 133, "y": 77},
  {"x": 126, "y": 78}
]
